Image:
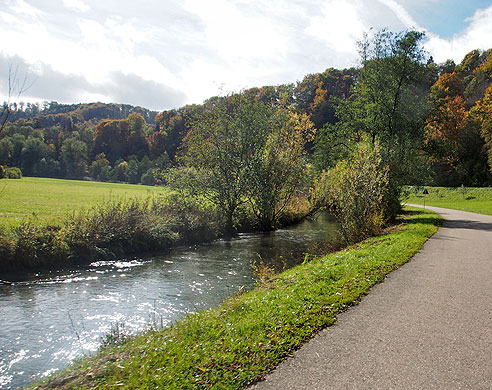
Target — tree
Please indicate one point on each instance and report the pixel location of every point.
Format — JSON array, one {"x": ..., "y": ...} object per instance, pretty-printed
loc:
[
  {"x": 452, "y": 136},
  {"x": 356, "y": 188},
  {"x": 132, "y": 171},
  {"x": 222, "y": 147},
  {"x": 388, "y": 106},
  {"x": 97, "y": 166},
  {"x": 74, "y": 157},
  {"x": 16, "y": 87},
  {"x": 280, "y": 169},
  {"x": 32, "y": 153},
  {"x": 483, "y": 112},
  {"x": 120, "y": 138}
]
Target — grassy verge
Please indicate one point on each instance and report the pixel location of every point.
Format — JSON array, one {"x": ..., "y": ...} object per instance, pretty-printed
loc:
[
  {"x": 477, "y": 200},
  {"x": 239, "y": 342},
  {"x": 48, "y": 201}
]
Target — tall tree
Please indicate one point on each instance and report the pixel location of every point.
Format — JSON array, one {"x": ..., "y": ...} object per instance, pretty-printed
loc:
[
  {"x": 280, "y": 169},
  {"x": 74, "y": 156},
  {"x": 388, "y": 105},
  {"x": 222, "y": 147},
  {"x": 483, "y": 112}
]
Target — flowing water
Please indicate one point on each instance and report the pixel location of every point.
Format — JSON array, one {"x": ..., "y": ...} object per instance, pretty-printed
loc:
[{"x": 49, "y": 319}]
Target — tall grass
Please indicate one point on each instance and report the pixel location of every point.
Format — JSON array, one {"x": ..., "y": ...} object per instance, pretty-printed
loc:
[{"x": 116, "y": 228}]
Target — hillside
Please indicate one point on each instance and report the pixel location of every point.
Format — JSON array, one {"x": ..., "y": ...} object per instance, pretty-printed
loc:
[{"x": 123, "y": 143}]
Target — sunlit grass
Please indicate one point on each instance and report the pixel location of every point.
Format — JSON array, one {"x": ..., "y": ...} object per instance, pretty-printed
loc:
[
  {"x": 49, "y": 201},
  {"x": 477, "y": 200},
  {"x": 239, "y": 342}
]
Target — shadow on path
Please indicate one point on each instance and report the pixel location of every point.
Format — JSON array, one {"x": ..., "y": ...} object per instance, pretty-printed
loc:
[{"x": 463, "y": 224}]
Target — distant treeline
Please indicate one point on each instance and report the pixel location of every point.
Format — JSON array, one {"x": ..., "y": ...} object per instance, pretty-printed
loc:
[{"x": 116, "y": 142}]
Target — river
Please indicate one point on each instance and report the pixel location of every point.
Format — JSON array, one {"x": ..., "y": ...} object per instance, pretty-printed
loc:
[{"x": 49, "y": 319}]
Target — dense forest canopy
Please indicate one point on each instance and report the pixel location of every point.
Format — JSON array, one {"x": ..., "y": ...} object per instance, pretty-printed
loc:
[{"x": 438, "y": 113}]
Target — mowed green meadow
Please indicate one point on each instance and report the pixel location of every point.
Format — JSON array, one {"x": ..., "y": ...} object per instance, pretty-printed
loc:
[
  {"x": 50, "y": 201},
  {"x": 476, "y": 200}
]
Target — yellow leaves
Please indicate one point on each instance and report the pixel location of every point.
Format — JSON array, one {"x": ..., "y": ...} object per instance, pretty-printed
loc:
[
  {"x": 448, "y": 122},
  {"x": 448, "y": 85}
]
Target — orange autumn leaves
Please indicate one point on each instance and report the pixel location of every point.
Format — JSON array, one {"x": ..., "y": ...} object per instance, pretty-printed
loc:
[{"x": 450, "y": 123}]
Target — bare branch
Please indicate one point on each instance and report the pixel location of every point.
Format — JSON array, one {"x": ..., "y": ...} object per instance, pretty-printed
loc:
[{"x": 16, "y": 87}]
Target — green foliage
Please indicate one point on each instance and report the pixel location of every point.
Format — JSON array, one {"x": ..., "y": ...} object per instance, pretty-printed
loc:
[
  {"x": 356, "y": 193},
  {"x": 236, "y": 344},
  {"x": 224, "y": 144},
  {"x": 243, "y": 150},
  {"x": 148, "y": 178},
  {"x": 13, "y": 173},
  {"x": 118, "y": 227},
  {"x": 193, "y": 218},
  {"x": 97, "y": 167},
  {"x": 115, "y": 228},
  {"x": 74, "y": 157},
  {"x": 2, "y": 172},
  {"x": 277, "y": 176},
  {"x": 387, "y": 107}
]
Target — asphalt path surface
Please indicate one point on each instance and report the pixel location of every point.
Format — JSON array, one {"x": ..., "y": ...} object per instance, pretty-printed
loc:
[{"x": 427, "y": 326}]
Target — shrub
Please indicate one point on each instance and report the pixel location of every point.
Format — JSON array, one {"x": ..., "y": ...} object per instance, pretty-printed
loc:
[
  {"x": 13, "y": 173},
  {"x": 148, "y": 178},
  {"x": 356, "y": 193},
  {"x": 39, "y": 246},
  {"x": 119, "y": 227},
  {"x": 195, "y": 219},
  {"x": 2, "y": 171}
]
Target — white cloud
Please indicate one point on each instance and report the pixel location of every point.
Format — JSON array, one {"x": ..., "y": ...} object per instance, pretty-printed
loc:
[
  {"x": 23, "y": 8},
  {"x": 402, "y": 14},
  {"x": 76, "y": 5},
  {"x": 233, "y": 34},
  {"x": 339, "y": 25},
  {"x": 478, "y": 35},
  {"x": 198, "y": 46}
]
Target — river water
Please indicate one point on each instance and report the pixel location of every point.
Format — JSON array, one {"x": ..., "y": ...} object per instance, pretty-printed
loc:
[{"x": 49, "y": 319}]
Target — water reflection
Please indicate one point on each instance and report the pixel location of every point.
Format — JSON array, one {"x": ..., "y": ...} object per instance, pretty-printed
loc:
[{"x": 50, "y": 319}]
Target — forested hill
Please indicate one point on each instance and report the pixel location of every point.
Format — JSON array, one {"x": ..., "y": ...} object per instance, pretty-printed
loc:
[
  {"x": 118, "y": 142},
  {"x": 53, "y": 113}
]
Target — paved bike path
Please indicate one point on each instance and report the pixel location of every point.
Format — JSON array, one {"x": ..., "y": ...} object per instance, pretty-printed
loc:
[{"x": 428, "y": 326}]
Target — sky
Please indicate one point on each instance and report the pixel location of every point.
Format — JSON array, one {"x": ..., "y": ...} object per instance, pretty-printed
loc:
[{"x": 163, "y": 54}]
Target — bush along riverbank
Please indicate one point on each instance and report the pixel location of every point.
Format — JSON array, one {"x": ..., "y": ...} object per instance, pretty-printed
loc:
[
  {"x": 121, "y": 227},
  {"x": 237, "y": 343}
]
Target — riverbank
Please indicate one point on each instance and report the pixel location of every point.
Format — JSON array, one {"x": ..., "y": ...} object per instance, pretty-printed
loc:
[
  {"x": 473, "y": 199},
  {"x": 120, "y": 226},
  {"x": 249, "y": 334}
]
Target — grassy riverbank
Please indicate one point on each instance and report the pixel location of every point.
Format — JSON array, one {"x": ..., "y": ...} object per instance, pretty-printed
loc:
[
  {"x": 48, "y": 201},
  {"x": 49, "y": 223},
  {"x": 249, "y": 334},
  {"x": 477, "y": 200}
]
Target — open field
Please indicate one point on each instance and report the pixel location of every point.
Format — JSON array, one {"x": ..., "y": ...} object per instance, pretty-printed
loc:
[
  {"x": 48, "y": 201},
  {"x": 240, "y": 341},
  {"x": 476, "y": 200}
]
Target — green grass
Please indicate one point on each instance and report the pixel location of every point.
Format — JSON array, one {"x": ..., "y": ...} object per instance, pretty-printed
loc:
[
  {"x": 49, "y": 201},
  {"x": 239, "y": 342},
  {"x": 477, "y": 200}
]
